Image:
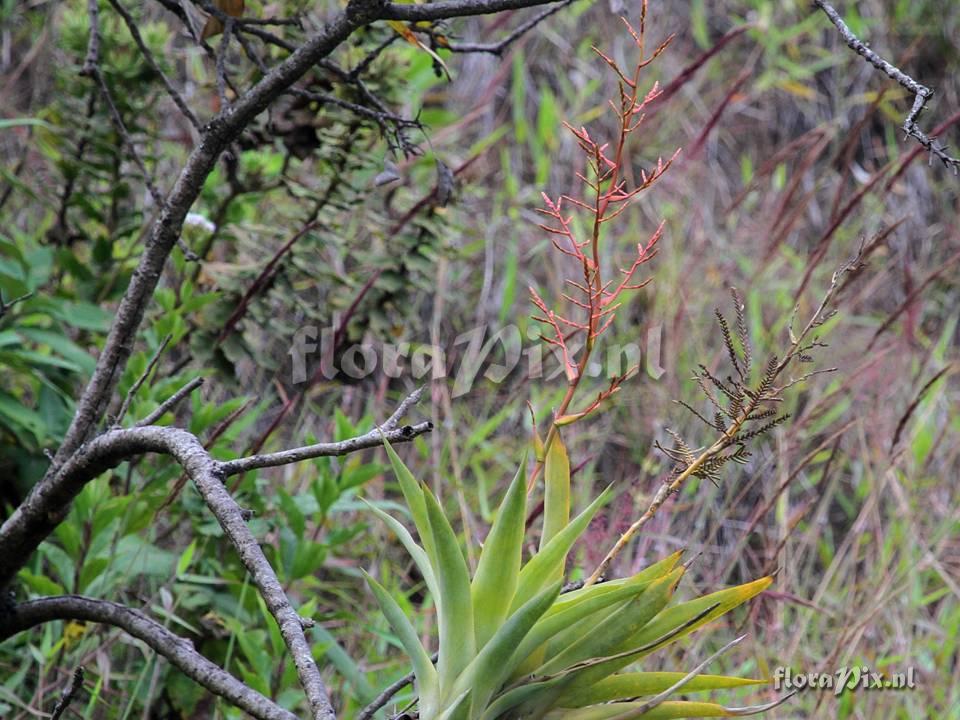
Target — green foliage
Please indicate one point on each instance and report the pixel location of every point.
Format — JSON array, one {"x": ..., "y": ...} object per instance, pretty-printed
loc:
[{"x": 511, "y": 646}]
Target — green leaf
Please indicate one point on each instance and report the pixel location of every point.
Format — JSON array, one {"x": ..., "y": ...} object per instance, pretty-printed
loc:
[
  {"x": 569, "y": 622},
  {"x": 556, "y": 498},
  {"x": 15, "y": 122},
  {"x": 416, "y": 552},
  {"x": 496, "y": 661},
  {"x": 607, "y": 639},
  {"x": 454, "y": 709},
  {"x": 542, "y": 567},
  {"x": 62, "y": 345},
  {"x": 495, "y": 581},
  {"x": 414, "y": 497},
  {"x": 639, "y": 684},
  {"x": 423, "y": 669},
  {"x": 457, "y": 643},
  {"x": 83, "y": 315},
  {"x": 40, "y": 583},
  {"x": 32, "y": 358},
  {"x": 20, "y": 418},
  {"x": 186, "y": 558}
]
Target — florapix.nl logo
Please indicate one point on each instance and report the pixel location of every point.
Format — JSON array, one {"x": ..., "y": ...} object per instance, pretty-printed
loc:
[
  {"x": 492, "y": 353},
  {"x": 853, "y": 678}
]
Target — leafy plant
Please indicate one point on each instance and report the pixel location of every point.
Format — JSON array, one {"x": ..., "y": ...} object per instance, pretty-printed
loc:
[{"x": 513, "y": 645}]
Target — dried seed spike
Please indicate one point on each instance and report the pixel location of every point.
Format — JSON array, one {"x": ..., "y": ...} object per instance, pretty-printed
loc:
[
  {"x": 706, "y": 391},
  {"x": 762, "y": 430},
  {"x": 736, "y": 407},
  {"x": 682, "y": 448},
  {"x": 728, "y": 342},
  {"x": 766, "y": 382},
  {"x": 718, "y": 384},
  {"x": 742, "y": 330},
  {"x": 697, "y": 414}
]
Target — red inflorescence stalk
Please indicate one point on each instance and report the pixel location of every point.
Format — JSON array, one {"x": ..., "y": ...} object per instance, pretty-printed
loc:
[{"x": 605, "y": 196}]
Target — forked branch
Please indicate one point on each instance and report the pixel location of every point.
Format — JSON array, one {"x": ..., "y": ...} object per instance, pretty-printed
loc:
[{"x": 921, "y": 93}]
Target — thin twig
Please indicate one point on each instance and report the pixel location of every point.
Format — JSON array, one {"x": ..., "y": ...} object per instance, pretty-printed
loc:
[
  {"x": 498, "y": 47},
  {"x": 921, "y": 93},
  {"x": 140, "y": 380},
  {"x": 71, "y": 691},
  {"x": 361, "y": 67},
  {"x": 228, "y": 25},
  {"x": 148, "y": 56},
  {"x": 372, "y": 439},
  {"x": 378, "y": 116},
  {"x": 170, "y": 403},
  {"x": 4, "y": 306}
]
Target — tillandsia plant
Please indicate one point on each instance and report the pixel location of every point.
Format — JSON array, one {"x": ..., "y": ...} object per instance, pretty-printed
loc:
[{"x": 511, "y": 643}]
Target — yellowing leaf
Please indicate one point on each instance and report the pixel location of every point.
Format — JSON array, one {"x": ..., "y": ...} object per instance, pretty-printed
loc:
[
  {"x": 556, "y": 499},
  {"x": 73, "y": 631},
  {"x": 798, "y": 89},
  {"x": 404, "y": 31},
  {"x": 639, "y": 684},
  {"x": 697, "y": 613}
]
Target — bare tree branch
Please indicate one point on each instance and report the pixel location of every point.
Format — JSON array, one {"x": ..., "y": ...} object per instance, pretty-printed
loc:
[
  {"x": 374, "y": 438},
  {"x": 389, "y": 431},
  {"x": 450, "y": 9},
  {"x": 177, "y": 650},
  {"x": 920, "y": 92}
]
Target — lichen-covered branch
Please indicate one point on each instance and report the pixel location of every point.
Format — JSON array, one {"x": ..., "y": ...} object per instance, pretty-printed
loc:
[
  {"x": 177, "y": 650},
  {"x": 921, "y": 93}
]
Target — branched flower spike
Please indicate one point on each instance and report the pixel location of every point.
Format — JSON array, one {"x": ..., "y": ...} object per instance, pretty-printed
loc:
[{"x": 593, "y": 297}]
